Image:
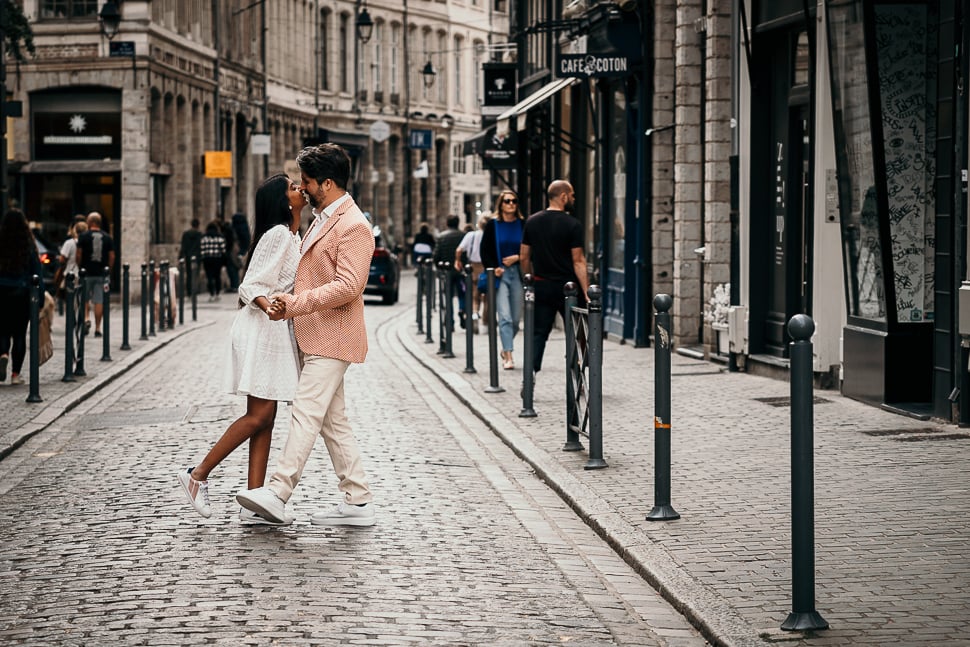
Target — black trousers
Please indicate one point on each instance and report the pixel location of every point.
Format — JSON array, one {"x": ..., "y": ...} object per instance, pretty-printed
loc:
[
  {"x": 14, "y": 317},
  {"x": 550, "y": 301}
]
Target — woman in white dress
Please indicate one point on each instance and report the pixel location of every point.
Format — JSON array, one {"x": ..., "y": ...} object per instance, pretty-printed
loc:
[{"x": 263, "y": 362}]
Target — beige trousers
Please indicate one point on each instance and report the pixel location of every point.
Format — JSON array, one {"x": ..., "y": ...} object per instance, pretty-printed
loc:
[{"x": 318, "y": 408}]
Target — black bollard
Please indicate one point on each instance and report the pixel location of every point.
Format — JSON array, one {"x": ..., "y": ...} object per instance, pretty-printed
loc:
[
  {"x": 151, "y": 298},
  {"x": 70, "y": 301},
  {"x": 105, "y": 297},
  {"x": 428, "y": 297},
  {"x": 528, "y": 360},
  {"x": 469, "y": 326},
  {"x": 448, "y": 293},
  {"x": 181, "y": 291},
  {"x": 417, "y": 309},
  {"x": 594, "y": 402},
  {"x": 162, "y": 289},
  {"x": 125, "y": 304},
  {"x": 803, "y": 617},
  {"x": 572, "y": 417},
  {"x": 36, "y": 298},
  {"x": 493, "y": 386},
  {"x": 662, "y": 510},
  {"x": 79, "y": 363},
  {"x": 144, "y": 302},
  {"x": 193, "y": 266}
]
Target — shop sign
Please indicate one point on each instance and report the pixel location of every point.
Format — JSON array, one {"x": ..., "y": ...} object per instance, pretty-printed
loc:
[
  {"x": 586, "y": 66},
  {"x": 500, "y": 150},
  {"x": 77, "y": 135},
  {"x": 499, "y": 84},
  {"x": 218, "y": 164}
]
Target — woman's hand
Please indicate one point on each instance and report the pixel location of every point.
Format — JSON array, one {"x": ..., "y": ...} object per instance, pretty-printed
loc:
[
  {"x": 509, "y": 261},
  {"x": 499, "y": 271}
]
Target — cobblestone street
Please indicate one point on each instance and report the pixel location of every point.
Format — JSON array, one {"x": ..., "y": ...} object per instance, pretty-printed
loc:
[{"x": 471, "y": 548}]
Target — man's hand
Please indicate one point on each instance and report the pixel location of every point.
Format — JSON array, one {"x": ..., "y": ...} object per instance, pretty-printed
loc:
[{"x": 277, "y": 309}]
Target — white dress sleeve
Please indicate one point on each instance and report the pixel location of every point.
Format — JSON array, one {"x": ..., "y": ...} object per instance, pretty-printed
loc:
[{"x": 263, "y": 273}]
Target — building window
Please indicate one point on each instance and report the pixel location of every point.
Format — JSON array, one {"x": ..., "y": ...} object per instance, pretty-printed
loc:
[
  {"x": 378, "y": 57},
  {"x": 459, "y": 65},
  {"x": 68, "y": 9},
  {"x": 458, "y": 160},
  {"x": 324, "y": 43},
  {"x": 442, "y": 68},
  {"x": 345, "y": 44},
  {"x": 395, "y": 50}
]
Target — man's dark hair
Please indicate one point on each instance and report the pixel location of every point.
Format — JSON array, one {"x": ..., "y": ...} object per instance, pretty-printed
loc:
[
  {"x": 452, "y": 222},
  {"x": 195, "y": 223},
  {"x": 326, "y": 161}
]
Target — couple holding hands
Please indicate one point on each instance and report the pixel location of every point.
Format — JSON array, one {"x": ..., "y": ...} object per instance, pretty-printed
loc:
[{"x": 298, "y": 297}]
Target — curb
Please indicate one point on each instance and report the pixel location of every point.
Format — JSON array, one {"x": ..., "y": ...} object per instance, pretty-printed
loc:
[
  {"x": 56, "y": 408},
  {"x": 717, "y": 621}
]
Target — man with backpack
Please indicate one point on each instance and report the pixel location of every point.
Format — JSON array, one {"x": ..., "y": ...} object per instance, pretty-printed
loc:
[{"x": 95, "y": 255}]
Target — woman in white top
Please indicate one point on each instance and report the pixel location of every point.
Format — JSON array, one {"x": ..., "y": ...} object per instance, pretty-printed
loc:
[{"x": 263, "y": 363}]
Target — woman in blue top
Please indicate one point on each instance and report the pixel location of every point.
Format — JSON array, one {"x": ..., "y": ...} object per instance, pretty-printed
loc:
[
  {"x": 18, "y": 263},
  {"x": 500, "y": 249}
]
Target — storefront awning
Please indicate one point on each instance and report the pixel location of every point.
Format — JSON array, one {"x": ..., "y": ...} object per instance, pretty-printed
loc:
[
  {"x": 473, "y": 143},
  {"x": 530, "y": 102}
]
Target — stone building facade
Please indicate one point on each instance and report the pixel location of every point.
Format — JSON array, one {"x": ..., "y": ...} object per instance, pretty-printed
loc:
[{"x": 121, "y": 125}]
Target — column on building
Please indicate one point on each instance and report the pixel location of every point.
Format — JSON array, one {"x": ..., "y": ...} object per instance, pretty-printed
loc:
[
  {"x": 688, "y": 175},
  {"x": 662, "y": 148},
  {"x": 717, "y": 153}
]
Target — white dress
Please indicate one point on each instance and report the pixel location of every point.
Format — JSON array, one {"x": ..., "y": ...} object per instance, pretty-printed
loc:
[{"x": 263, "y": 359}]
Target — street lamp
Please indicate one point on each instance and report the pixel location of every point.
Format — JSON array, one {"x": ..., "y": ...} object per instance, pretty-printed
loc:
[
  {"x": 428, "y": 72},
  {"x": 364, "y": 25},
  {"x": 110, "y": 19}
]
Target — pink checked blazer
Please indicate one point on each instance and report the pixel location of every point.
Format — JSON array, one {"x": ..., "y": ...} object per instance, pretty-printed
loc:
[{"x": 327, "y": 306}]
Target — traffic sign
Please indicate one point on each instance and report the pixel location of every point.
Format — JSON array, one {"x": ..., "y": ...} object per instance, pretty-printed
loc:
[{"x": 380, "y": 130}]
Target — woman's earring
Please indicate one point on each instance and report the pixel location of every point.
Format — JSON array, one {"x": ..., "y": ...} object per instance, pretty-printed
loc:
[{"x": 290, "y": 207}]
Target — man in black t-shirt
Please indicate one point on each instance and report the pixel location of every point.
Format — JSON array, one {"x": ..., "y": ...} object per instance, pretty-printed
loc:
[
  {"x": 552, "y": 251},
  {"x": 95, "y": 252}
]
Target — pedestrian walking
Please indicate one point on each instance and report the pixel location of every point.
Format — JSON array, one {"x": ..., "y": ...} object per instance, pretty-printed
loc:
[
  {"x": 95, "y": 252},
  {"x": 444, "y": 252},
  {"x": 18, "y": 263},
  {"x": 67, "y": 257},
  {"x": 327, "y": 309},
  {"x": 500, "y": 249},
  {"x": 471, "y": 247},
  {"x": 263, "y": 362},
  {"x": 213, "y": 252},
  {"x": 423, "y": 245},
  {"x": 191, "y": 247},
  {"x": 552, "y": 251}
]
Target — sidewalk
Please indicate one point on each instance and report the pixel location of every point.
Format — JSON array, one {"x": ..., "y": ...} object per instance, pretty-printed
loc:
[
  {"x": 22, "y": 419},
  {"x": 892, "y": 512}
]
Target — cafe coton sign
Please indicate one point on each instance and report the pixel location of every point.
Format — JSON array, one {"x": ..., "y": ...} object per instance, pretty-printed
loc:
[{"x": 585, "y": 66}]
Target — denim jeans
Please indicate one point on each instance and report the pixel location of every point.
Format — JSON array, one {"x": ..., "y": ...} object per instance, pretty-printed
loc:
[{"x": 508, "y": 305}]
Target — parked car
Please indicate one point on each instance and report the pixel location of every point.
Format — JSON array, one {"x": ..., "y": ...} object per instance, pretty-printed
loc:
[
  {"x": 48, "y": 259},
  {"x": 385, "y": 269}
]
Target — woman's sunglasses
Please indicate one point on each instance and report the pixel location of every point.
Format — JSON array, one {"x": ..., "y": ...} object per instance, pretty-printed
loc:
[{"x": 510, "y": 201}]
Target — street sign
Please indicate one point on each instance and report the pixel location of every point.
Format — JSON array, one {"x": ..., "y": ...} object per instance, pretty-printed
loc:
[
  {"x": 420, "y": 138},
  {"x": 121, "y": 48},
  {"x": 379, "y": 131},
  {"x": 260, "y": 144}
]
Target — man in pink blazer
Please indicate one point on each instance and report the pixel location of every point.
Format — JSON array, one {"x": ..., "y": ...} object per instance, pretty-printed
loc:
[{"x": 327, "y": 308}]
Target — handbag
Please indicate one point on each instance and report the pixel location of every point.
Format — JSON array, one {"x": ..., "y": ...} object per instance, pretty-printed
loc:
[{"x": 482, "y": 284}]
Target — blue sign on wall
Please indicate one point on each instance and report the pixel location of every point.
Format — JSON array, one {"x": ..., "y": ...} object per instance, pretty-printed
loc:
[{"x": 420, "y": 138}]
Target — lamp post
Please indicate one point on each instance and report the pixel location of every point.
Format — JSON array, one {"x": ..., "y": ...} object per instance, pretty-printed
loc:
[{"x": 110, "y": 19}]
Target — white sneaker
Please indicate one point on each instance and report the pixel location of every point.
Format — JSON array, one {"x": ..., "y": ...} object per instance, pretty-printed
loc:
[
  {"x": 250, "y": 518},
  {"x": 346, "y": 514},
  {"x": 196, "y": 491},
  {"x": 264, "y": 502}
]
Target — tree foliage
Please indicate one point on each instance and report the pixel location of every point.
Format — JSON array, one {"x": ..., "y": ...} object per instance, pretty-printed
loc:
[{"x": 17, "y": 34}]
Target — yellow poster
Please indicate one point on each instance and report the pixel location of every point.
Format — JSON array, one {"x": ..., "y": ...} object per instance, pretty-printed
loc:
[{"x": 218, "y": 164}]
